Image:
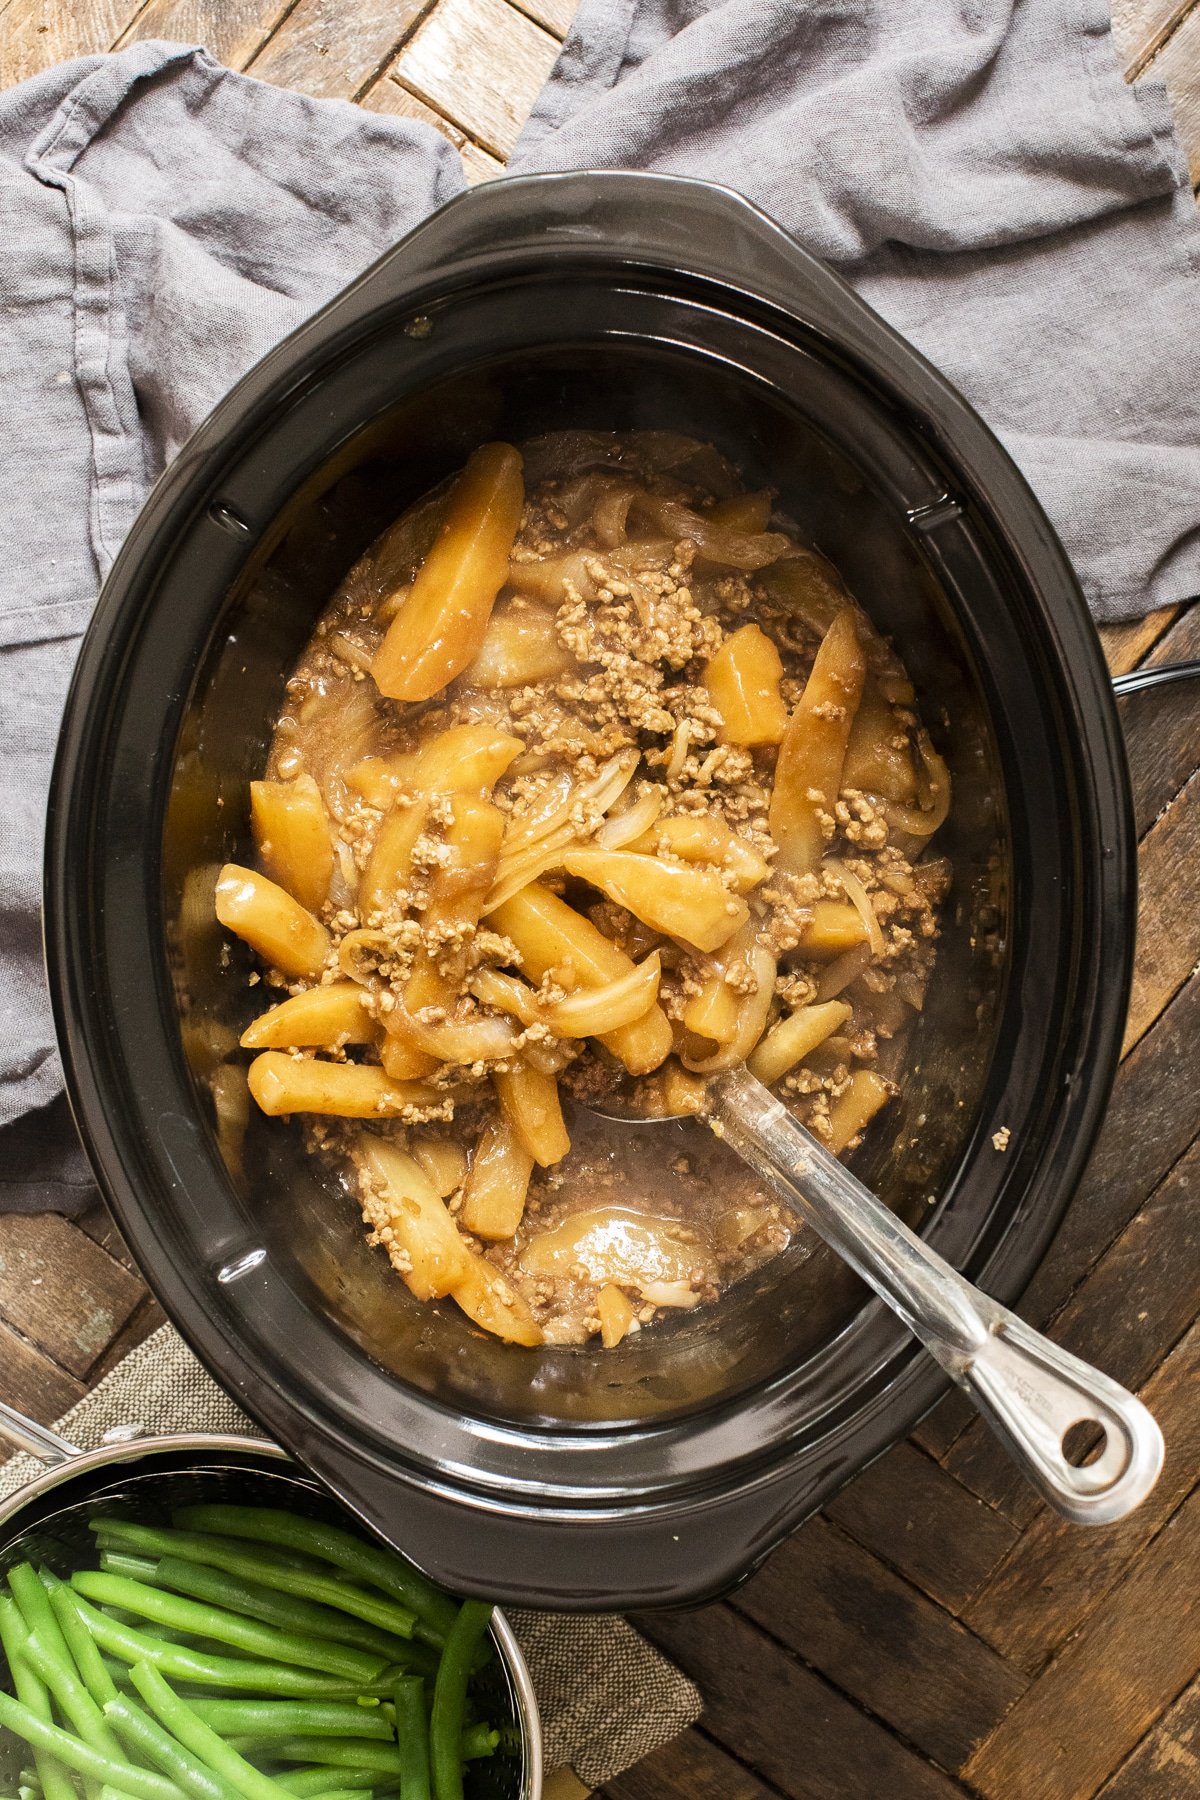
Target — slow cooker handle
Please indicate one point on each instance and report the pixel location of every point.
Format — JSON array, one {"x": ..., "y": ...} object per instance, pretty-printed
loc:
[
  {"x": 1031, "y": 1391},
  {"x": 38, "y": 1440}
]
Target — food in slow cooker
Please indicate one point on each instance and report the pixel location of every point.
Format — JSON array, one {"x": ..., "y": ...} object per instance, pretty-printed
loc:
[{"x": 593, "y": 777}]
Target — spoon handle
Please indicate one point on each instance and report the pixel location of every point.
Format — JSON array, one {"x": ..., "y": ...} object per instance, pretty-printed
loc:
[{"x": 1030, "y": 1390}]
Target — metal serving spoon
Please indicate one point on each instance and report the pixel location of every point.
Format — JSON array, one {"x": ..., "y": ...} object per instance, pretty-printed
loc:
[{"x": 1031, "y": 1391}]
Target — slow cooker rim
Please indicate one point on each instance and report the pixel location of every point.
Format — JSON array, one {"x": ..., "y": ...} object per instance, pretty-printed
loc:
[{"x": 177, "y": 483}]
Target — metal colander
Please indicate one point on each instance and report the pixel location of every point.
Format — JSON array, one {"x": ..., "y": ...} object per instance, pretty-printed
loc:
[{"x": 146, "y": 1479}]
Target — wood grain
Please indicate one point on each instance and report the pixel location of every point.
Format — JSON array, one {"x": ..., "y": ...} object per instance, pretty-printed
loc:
[
  {"x": 1168, "y": 942},
  {"x": 1057, "y": 1575},
  {"x": 1160, "y": 726},
  {"x": 1141, "y": 27},
  {"x": 331, "y": 51},
  {"x": 692, "y": 1768},
  {"x": 1167, "y": 1761},
  {"x": 62, "y": 1292},
  {"x": 36, "y": 34},
  {"x": 916, "y": 1518},
  {"x": 33, "y": 1383},
  {"x": 883, "y": 1642},
  {"x": 1178, "y": 64},
  {"x": 783, "y": 1720},
  {"x": 388, "y": 96},
  {"x": 232, "y": 31},
  {"x": 1109, "y": 1684},
  {"x": 481, "y": 64}
]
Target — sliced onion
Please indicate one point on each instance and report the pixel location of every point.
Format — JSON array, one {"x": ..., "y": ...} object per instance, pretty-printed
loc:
[
  {"x": 752, "y": 1021},
  {"x": 479, "y": 1039},
  {"x": 679, "y": 750},
  {"x": 860, "y": 900},
  {"x": 622, "y": 828},
  {"x": 611, "y": 513},
  {"x": 836, "y": 976},
  {"x": 715, "y": 542},
  {"x": 506, "y": 993},
  {"x": 918, "y": 821},
  {"x": 593, "y": 1012}
]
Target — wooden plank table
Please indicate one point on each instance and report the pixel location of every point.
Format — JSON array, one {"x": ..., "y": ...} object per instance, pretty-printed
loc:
[{"x": 936, "y": 1631}]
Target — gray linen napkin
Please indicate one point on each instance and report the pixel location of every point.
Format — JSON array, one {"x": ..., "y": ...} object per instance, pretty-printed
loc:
[
  {"x": 607, "y": 1697},
  {"x": 978, "y": 168}
]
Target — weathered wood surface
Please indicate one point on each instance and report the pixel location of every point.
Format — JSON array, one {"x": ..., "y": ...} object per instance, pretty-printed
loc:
[{"x": 936, "y": 1632}]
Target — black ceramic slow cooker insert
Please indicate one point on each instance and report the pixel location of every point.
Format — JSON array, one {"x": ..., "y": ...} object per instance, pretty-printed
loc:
[{"x": 660, "y": 1471}]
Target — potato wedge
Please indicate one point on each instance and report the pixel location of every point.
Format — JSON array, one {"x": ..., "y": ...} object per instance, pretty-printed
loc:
[
  {"x": 266, "y": 917},
  {"x": 321, "y": 1018},
  {"x": 866, "y": 1095},
  {"x": 808, "y": 770},
  {"x": 440, "y": 625},
  {"x": 705, "y": 838},
  {"x": 692, "y": 904},
  {"x": 790, "y": 1041},
  {"x": 383, "y": 886},
  {"x": 616, "y": 1313},
  {"x": 550, "y": 935},
  {"x": 286, "y": 1084},
  {"x": 489, "y": 1298},
  {"x": 420, "y": 1236},
  {"x": 291, "y": 832},
  {"x": 497, "y": 1181},
  {"x": 443, "y": 1160},
  {"x": 463, "y": 759},
  {"x": 743, "y": 680},
  {"x": 532, "y": 1107},
  {"x": 520, "y": 646}
]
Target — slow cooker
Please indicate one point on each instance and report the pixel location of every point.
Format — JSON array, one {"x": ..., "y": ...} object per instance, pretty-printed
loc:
[{"x": 663, "y": 1471}]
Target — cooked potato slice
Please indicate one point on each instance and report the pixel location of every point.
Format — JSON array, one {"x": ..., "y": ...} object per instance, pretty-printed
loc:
[
  {"x": 693, "y": 904},
  {"x": 750, "y": 513},
  {"x": 489, "y": 1298},
  {"x": 854, "y": 1110},
  {"x": 463, "y": 759},
  {"x": 289, "y": 1084},
  {"x": 520, "y": 646},
  {"x": 497, "y": 1182},
  {"x": 551, "y": 935},
  {"x": 266, "y": 917},
  {"x": 616, "y": 1312},
  {"x": 705, "y": 838},
  {"x": 320, "y": 1018},
  {"x": 411, "y": 1218},
  {"x": 291, "y": 832},
  {"x": 743, "y": 679},
  {"x": 531, "y": 1106},
  {"x": 440, "y": 625},
  {"x": 457, "y": 891},
  {"x": 384, "y": 883},
  {"x": 443, "y": 1160},
  {"x": 808, "y": 771},
  {"x": 790, "y": 1041},
  {"x": 835, "y": 927}
]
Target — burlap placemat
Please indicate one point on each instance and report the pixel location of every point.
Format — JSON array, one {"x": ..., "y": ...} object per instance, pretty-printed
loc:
[{"x": 607, "y": 1697}]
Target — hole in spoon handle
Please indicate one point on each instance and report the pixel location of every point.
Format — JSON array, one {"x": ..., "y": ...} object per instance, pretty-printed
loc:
[{"x": 1034, "y": 1393}]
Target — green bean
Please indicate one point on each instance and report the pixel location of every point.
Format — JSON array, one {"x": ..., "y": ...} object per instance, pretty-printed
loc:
[
  {"x": 122, "y": 1562},
  {"x": 412, "y": 1738},
  {"x": 147, "y": 1739},
  {"x": 74, "y": 1701},
  {"x": 111, "y": 1793},
  {"x": 383, "y": 1569},
  {"x": 195, "y": 1735},
  {"x": 34, "y": 1602},
  {"x": 222, "y": 1588},
  {"x": 253, "y": 1563},
  {"x": 450, "y": 1696},
  {"x": 205, "y": 1621},
  {"x": 56, "y": 1783},
  {"x": 325, "y": 1781},
  {"x": 341, "y": 1753},
  {"x": 107, "y": 1770},
  {"x": 293, "y": 1718},
  {"x": 88, "y": 1660},
  {"x": 197, "y": 1666},
  {"x": 479, "y": 1740}
]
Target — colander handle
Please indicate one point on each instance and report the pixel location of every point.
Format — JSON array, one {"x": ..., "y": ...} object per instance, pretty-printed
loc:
[
  {"x": 1031, "y": 1391},
  {"x": 39, "y": 1440}
]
